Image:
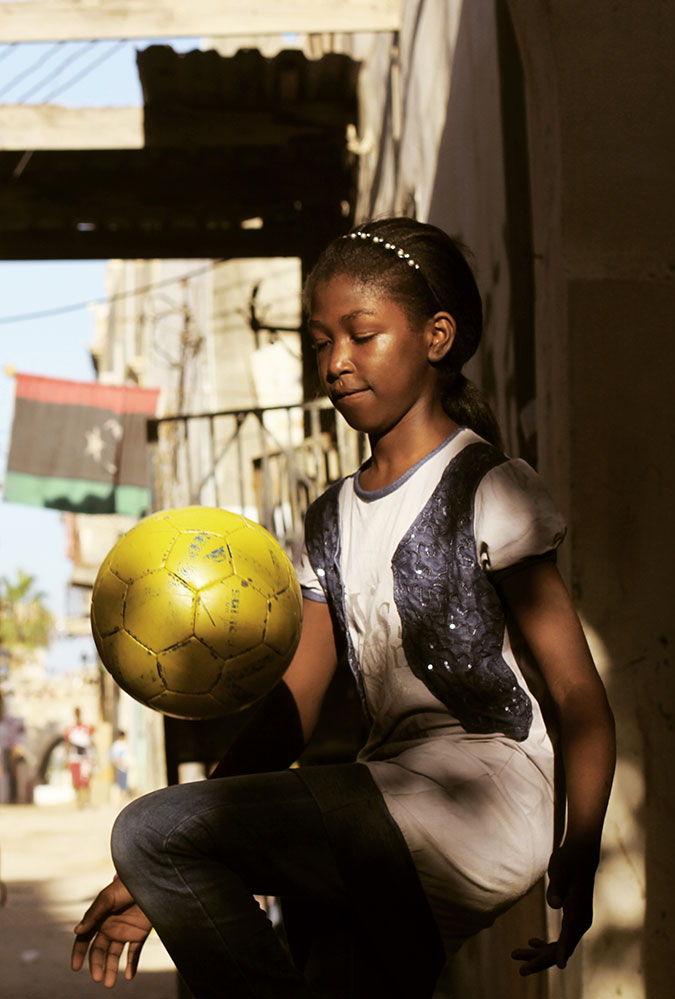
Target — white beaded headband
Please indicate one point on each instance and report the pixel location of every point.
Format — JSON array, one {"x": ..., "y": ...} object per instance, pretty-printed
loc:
[{"x": 405, "y": 257}]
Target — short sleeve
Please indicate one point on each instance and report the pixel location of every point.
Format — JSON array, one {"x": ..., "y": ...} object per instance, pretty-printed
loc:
[
  {"x": 309, "y": 583},
  {"x": 515, "y": 518}
]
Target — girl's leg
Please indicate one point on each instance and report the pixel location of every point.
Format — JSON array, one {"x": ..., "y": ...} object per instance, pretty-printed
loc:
[{"x": 192, "y": 856}]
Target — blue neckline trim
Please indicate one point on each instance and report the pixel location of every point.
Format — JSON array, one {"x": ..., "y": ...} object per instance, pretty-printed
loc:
[{"x": 369, "y": 495}]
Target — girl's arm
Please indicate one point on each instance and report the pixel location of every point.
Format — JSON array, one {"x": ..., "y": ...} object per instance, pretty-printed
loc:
[
  {"x": 541, "y": 607},
  {"x": 313, "y": 664},
  {"x": 281, "y": 723}
]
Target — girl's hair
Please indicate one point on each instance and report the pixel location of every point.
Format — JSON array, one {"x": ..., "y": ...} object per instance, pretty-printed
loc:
[{"x": 425, "y": 271}]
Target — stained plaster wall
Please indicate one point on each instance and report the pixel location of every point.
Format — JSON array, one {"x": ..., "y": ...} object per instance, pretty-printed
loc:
[{"x": 599, "y": 86}]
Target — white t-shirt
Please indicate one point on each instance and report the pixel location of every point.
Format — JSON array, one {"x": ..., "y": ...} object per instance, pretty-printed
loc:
[{"x": 475, "y": 809}]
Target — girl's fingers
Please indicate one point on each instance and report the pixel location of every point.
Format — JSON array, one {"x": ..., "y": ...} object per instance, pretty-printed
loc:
[
  {"x": 112, "y": 963},
  {"x": 133, "y": 955},
  {"x": 104, "y": 959},
  {"x": 98, "y": 957},
  {"x": 537, "y": 957},
  {"x": 79, "y": 952}
]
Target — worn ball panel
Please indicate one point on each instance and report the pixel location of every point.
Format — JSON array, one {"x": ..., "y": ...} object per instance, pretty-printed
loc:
[
  {"x": 196, "y": 612},
  {"x": 231, "y": 617},
  {"x": 108, "y": 603},
  {"x": 248, "y": 677},
  {"x": 200, "y": 558},
  {"x": 284, "y": 620},
  {"x": 159, "y": 610},
  {"x": 189, "y": 668},
  {"x": 143, "y": 548},
  {"x": 213, "y": 519},
  {"x": 257, "y": 556},
  {"x": 192, "y": 706},
  {"x": 133, "y": 666}
]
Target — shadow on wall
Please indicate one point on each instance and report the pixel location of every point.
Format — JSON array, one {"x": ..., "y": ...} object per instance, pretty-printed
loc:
[{"x": 623, "y": 585}]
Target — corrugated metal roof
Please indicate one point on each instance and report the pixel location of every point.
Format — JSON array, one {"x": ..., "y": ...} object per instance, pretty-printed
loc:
[
  {"x": 227, "y": 139},
  {"x": 245, "y": 99}
]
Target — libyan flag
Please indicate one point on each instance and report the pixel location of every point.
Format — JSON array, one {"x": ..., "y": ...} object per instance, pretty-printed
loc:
[{"x": 80, "y": 446}]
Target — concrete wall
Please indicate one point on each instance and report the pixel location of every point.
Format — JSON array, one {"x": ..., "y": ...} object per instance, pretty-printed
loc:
[{"x": 598, "y": 81}]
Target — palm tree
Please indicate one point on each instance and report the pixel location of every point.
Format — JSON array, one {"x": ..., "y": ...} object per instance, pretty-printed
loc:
[{"x": 25, "y": 620}]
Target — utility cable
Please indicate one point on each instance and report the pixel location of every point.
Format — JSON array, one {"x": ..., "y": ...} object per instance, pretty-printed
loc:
[
  {"x": 9, "y": 48},
  {"x": 119, "y": 296},
  {"x": 68, "y": 61},
  {"x": 87, "y": 70},
  {"x": 40, "y": 61},
  {"x": 60, "y": 310}
]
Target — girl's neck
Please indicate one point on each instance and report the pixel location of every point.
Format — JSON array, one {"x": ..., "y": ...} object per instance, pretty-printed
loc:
[{"x": 393, "y": 453}]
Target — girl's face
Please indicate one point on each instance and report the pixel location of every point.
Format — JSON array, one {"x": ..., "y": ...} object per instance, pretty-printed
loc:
[{"x": 373, "y": 365}]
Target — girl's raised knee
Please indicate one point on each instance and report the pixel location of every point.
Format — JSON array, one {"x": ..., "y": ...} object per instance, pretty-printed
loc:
[{"x": 131, "y": 831}]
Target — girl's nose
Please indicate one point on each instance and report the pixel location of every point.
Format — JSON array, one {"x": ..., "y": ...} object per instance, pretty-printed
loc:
[{"x": 339, "y": 360}]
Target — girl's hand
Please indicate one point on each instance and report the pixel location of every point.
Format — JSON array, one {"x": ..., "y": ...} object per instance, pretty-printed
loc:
[
  {"x": 571, "y": 876},
  {"x": 112, "y": 921}
]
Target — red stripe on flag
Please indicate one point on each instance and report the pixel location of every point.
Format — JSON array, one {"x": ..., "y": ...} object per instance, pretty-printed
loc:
[{"x": 117, "y": 398}]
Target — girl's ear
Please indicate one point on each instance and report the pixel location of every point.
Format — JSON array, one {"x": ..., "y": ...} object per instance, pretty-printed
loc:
[{"x": 442, "y": 329}]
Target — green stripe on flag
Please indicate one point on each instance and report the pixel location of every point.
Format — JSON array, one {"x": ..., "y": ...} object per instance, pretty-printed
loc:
[
  {"x": 78, "y": 495},
  {"x": 132, "y": 501}
]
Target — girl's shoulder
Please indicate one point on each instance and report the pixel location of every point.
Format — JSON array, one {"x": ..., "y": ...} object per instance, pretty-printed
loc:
[{"x": 515, "y": 516}]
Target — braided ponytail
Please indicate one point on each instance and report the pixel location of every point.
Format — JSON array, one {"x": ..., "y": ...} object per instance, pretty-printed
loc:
[{"x": 464, "y": 402}]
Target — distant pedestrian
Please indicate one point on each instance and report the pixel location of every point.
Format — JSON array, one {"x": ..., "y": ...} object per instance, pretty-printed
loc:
[
  {"x": 12, "y": 757},
  {"x": 80, "y": 740},
  {"x": 120, "y": 757}
]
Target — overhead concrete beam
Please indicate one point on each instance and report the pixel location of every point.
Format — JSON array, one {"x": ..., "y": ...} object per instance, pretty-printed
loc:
[
  {"x": 72, "y": 20},
  {"x": 48, "y": 126}
]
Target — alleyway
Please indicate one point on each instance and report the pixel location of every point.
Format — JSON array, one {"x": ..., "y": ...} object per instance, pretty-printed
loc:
[{"x": 53, "y": 860}]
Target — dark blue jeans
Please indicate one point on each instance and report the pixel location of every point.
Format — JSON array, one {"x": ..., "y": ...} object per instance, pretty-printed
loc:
[{"x": 193, "y": 856}]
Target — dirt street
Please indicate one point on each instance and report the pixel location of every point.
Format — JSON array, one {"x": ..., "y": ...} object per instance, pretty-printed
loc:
[{"x": 53, "y": 860}]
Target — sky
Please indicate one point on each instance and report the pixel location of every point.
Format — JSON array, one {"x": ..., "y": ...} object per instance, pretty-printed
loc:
[{"x": 71, "y": 74}]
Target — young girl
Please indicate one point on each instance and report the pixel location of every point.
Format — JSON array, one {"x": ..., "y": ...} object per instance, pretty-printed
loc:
[{"x": 432, "y": 570}]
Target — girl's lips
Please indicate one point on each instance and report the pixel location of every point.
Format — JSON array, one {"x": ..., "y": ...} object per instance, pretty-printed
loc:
[{"x": 340, "y": 396}]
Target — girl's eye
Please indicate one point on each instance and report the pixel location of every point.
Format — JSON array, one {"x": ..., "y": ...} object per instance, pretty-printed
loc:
[
  {"x": 319, "y": 345},
  {"x": 362, "y": 337}
]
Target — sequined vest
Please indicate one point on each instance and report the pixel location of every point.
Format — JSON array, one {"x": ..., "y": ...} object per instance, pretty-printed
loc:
[{"x": 452, "y": 621}]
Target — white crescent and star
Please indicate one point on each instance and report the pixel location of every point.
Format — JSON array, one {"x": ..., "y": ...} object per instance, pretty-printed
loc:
[{"x": 95, "y": 442}]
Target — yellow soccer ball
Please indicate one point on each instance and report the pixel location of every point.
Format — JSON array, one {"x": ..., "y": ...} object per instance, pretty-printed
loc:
[{"x": 196, "y": 612}]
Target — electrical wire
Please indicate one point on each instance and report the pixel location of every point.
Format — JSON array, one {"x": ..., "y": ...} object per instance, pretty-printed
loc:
[
  {"x": 87, "y": 70},
  {"x": 68, "y": 61},
  {"x": 40, "y": 61},
  {"x": 9, "y": 48},
  {"x": 60, "y": 310}
]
